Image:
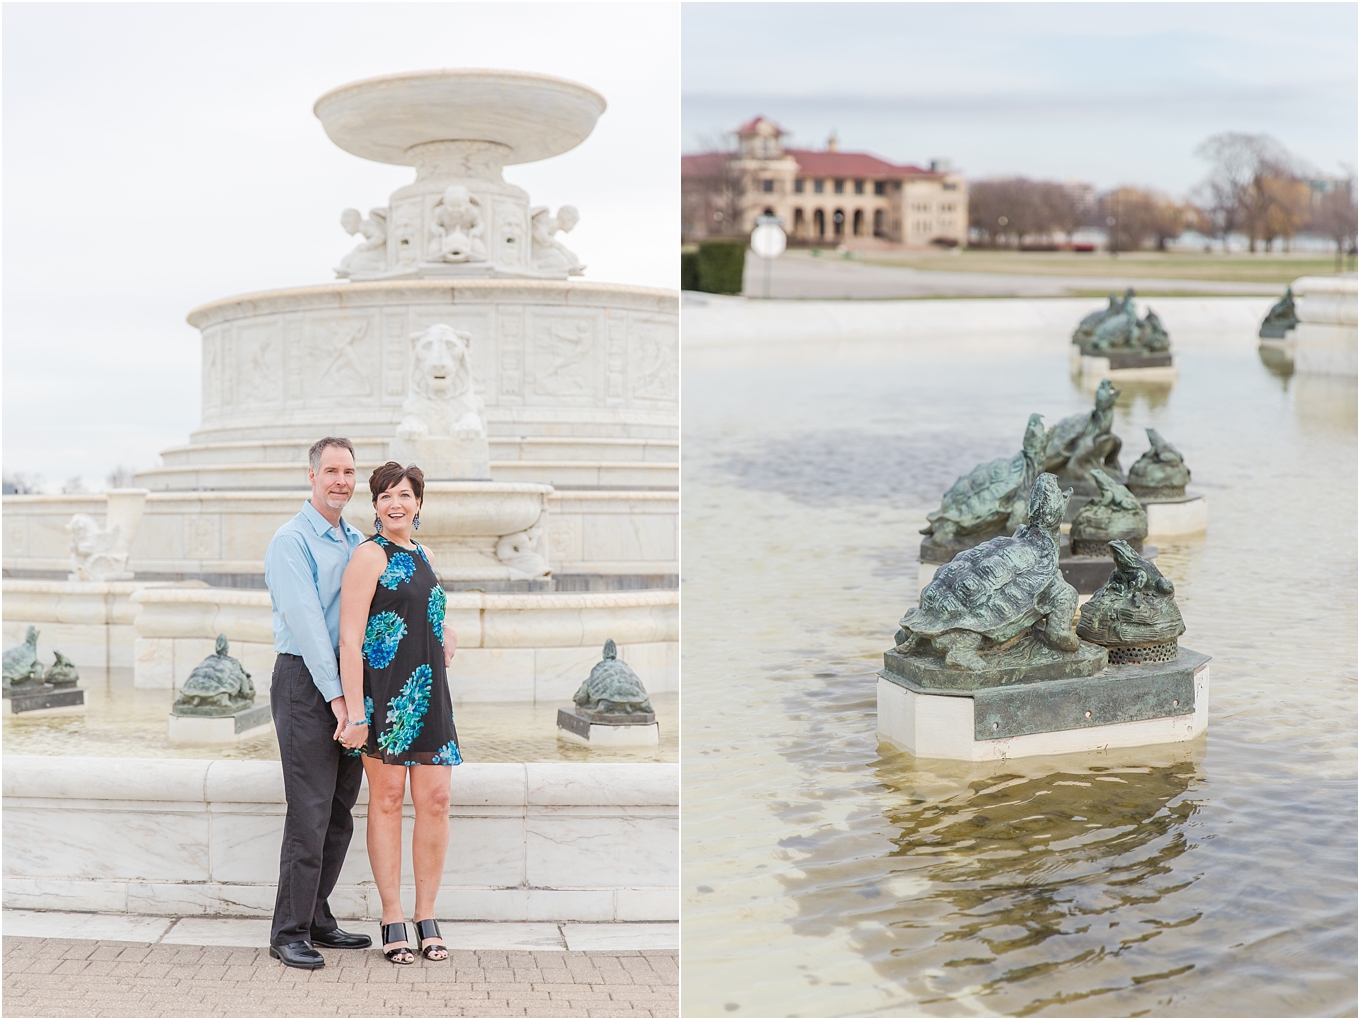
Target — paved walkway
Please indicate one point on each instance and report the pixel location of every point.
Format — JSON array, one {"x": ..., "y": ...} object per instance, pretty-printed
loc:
[{"x": 101, "y": 965}]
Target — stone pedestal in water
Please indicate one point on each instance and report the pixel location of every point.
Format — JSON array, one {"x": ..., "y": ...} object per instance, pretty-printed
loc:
[
  {"x": 991, "y": 666},
  {"x": 611, "y": 708}
]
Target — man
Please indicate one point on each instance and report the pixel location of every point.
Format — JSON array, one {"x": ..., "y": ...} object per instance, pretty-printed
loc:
[{"x": 303, "y": 567}]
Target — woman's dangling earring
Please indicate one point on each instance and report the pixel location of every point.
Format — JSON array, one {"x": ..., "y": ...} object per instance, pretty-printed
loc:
[
  {"x": 377, "y": 524},
  {"x": 415, "y": 524}
]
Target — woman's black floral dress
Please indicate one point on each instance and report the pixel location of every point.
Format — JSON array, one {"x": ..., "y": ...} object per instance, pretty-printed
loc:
[{"x": 406, "y": 692}]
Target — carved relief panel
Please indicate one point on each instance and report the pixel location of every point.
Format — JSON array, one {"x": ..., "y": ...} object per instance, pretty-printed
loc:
[
  {"x": 654, "y": 360},
  {"x": 257, "y": 356},
  {"x": 616, "y": 366},
  {"x": 510, "y": 375},
  {"x": 510, "y": 236},
  {"x": 294, "y": 355},
  {"x": 341, "y": 360},
  {"x": 404, "y": 236},
  {"x": 395, "y": 347},
  {"x": 200, "y": 538},
  {"x": 213, "y": 340},
  {"x": 567, "y": 357}
]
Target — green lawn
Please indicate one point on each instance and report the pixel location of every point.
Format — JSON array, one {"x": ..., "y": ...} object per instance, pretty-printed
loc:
[{"x": 1273, "y": 268}]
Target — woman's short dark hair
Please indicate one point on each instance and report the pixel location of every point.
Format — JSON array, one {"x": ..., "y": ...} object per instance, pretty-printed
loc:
[{"x": 391, "y": 473}]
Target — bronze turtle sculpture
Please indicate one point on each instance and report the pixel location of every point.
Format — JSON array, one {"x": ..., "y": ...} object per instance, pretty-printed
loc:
[
  {"x": 612, "y": 687},
  {"x": 62, "y": 672},
  {"x": 219, "y": 685},
  {"x": 1152, "y": 335},
  {"x": 990, "y": 499},
  {"x": 1088, "y": 325},
  {"x": 21, "y": 665},
  {"x": 1281, "y": 318},
  {"x": 1135, "y": 614},
  {"x": 1160, "y": 473},
  {"x": 1115, "y": 513},
  {"x": 1082, "y": 442},
  {"x": 1118, "y": 332},
  {"x": 1065, "y": 438},
  {"x": 988, "y": 595}
]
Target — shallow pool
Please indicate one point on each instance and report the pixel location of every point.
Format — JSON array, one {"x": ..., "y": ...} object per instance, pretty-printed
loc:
[
  {"x": 825, "y": 874},
  {"x": 122, "y": 721}
]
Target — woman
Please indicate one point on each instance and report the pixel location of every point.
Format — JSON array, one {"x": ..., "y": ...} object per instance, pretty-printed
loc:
[{"x": 394, "y": 650}]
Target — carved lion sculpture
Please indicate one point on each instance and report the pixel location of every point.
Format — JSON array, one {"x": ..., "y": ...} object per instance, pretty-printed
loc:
[
  {"x": 443, "y": 400},
  {"x": 94, "y": 549}
]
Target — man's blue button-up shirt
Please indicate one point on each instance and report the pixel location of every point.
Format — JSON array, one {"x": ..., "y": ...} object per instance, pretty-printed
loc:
[{"x": 303, "y": 567}]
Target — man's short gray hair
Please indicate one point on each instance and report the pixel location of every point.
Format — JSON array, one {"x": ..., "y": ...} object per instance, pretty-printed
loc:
[{"x": 314, "y": 454}]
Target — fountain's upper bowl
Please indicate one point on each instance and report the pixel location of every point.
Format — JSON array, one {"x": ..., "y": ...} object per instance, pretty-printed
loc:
[{"x": 533, "y": 115}]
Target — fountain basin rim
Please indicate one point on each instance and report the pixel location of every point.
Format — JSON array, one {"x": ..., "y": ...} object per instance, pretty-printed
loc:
[
  {"x": 382, "y": 117},
  {"x": 456, "y": 599},
  {"x": 379, "y": 292},
  {"x": 510, "y": 784}
]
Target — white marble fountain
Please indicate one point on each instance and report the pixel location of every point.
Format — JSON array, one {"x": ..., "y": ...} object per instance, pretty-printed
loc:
[{"x": 458, "y": 335}]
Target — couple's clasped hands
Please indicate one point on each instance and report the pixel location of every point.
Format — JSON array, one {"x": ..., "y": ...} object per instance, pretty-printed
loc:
[{"x": 352, "y": 734}]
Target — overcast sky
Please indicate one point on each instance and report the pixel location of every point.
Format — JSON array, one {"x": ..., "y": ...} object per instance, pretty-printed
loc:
[
  {"x": 1106, "y": 93},
  {"x": 158, "y": 156}
]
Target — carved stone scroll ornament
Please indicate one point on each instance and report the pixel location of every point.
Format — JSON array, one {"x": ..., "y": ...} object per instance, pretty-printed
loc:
[
  {"x": 456, "y": 228},
  {"x": 525, "y": 552},
  {"x": 549, "y": 254},
  {"x": 370, "y": 256}
]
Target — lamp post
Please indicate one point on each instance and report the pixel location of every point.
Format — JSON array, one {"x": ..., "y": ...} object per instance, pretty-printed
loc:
[{"x": 768, "y": 241}]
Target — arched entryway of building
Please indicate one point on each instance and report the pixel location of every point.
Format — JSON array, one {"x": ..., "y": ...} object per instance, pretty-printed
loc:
[
  {"x": 799, "y": 223},
  {"x": 858, "y": 230},
  {"x": 838, "y": 220},
  {"x": 819, "y": 223},
  {"x": 880, "y": 229}
]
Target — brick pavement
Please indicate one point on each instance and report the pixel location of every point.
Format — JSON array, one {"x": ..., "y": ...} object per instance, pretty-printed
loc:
[{"x": 104, "y": 978}]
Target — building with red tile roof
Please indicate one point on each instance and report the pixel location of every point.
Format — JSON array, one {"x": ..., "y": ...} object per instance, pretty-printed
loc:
[{"x": 823, "y": 196}]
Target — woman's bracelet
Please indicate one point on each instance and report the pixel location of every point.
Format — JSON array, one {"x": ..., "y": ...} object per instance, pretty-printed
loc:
[{"x": 358, "y": 722}]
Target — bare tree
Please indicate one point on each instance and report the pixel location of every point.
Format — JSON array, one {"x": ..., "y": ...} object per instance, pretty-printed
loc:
[
  {"x": 1250, "y": 187},
  {"x": 1012, "y": 210},
  {"x": 1064, "y": 209},
  {"x": 121, "y": 477},
  {"x": 16, "y": 483},
  {"x": 1334, "y": 216},
  {"x": 711, "y": 191}
]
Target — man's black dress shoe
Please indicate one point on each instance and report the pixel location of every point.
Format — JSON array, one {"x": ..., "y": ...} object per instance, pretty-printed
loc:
[
  {"x": 298, "y": 954},
  {"x": 337, "y": 939}
]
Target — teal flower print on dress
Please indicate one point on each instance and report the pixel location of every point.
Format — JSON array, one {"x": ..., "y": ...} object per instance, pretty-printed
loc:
[
  {"x": 400, "y": 568},
  {"x": 406, "y": 712},
  {"x": 435, "y": 611},
  {"x": 385, "y": 631},
  {"x": 448, "y": 755}
]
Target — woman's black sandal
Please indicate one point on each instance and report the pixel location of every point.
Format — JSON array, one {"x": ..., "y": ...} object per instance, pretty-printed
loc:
[
  {"x": 429, "y": 929},
  {"x": 389, "y": 935}
]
